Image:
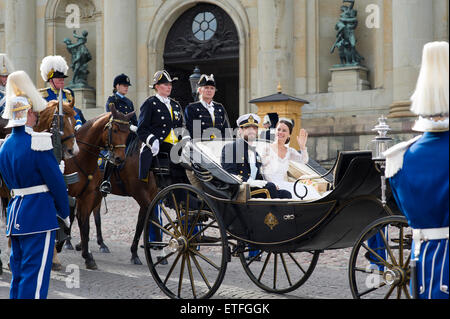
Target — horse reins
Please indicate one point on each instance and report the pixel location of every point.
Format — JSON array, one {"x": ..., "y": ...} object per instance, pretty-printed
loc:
[{"x": 109, "y": 147}]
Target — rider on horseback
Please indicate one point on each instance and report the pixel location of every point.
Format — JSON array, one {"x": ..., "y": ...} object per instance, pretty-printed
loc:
[{"x": 125, "y": 106}]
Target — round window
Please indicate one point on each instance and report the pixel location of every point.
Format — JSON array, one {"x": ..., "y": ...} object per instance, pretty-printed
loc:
[{"x": 204, "y": 26}]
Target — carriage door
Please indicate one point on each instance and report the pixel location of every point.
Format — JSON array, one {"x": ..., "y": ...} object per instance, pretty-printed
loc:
[{"x": 205, "y": 36}]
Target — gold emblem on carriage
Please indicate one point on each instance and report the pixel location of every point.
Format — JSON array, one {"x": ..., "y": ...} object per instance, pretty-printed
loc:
[{"x": 271, "y": 221}]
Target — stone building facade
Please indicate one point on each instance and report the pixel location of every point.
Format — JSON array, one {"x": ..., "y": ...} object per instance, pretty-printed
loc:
[{"x": 250, "y": 45}]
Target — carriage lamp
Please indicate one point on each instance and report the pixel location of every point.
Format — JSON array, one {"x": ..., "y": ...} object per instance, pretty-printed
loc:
[
  {"x": 193, "y": 79},
  {"x": 378, "y": 146},
  {"x": 381, "y": 142}
]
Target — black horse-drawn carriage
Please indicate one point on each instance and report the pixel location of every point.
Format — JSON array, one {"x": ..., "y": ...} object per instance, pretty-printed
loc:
[{"x": 213, "y": 218}]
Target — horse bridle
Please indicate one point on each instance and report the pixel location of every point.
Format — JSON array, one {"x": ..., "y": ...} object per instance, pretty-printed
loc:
[{"x": 109, "y": 146}]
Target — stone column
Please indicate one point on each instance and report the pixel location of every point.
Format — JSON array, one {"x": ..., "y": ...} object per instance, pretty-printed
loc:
[
  {"x": 276, "y": 46},
  {"x": 120, "y": 44},
  {"x": 412, "y": 28},
  {"x": 20, "y": 35}
]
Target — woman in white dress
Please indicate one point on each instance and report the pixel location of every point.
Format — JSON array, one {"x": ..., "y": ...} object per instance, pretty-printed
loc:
[{"x": 276, "y": 157}]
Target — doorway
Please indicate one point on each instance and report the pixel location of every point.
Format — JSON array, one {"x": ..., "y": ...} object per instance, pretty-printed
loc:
[{"x": 204, "y": 36}]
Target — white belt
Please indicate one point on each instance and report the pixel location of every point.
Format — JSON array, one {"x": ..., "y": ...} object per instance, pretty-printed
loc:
[
  {"x": 426, "y": 234},
  {"x": 29, "y": 191}
]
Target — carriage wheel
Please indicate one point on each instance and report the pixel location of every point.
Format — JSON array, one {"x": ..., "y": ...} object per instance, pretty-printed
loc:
[
  {"x": 191, "y": 258},
  {"x": 279, "y": 272},
  {"x": 382, "y": 270}
]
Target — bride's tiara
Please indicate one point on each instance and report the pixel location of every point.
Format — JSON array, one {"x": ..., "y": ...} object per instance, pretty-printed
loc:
[{"x": 285, "y": 119}]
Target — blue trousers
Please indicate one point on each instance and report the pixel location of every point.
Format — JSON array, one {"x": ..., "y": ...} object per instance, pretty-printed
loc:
[
  {"x": 155, "y": 234},
  {"x": 31, "y": 264}
]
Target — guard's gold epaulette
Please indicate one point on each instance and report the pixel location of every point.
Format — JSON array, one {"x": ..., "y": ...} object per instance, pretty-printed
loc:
[
  {"x": 44, "y": 92},
  {"x": 69, "y": 96}
]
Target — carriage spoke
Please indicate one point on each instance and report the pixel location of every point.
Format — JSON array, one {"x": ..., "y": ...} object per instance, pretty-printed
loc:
[
  {"x": 286, "y": 270},
  {"x": 163, "y": 229},
  {"x": 401, "y": 243},
  {"x": 264, "y": 266},
  {"x": 275, "y": 267},
  {"x": 296, "y": 262},
  {"x": 200, "y": 270},
  {"x": 170, "y": 220},
  {"x": 370, "y": 290},
  {"x": 209, "y": 261},
  {"x": 186, "y": 215},
  {"x": 388, "y": 248},
  {"x": 369, "y": 271},
  {"x": 171, "y": 269},
  {"x": 202, "y": 230},
  {"x": 164, "y": 258},
  {"x": 254, "y": 257},
  {"x": 406, "y": 292},
  {"x": 180, "y": 281},
  {"x": 191, "y": 276},
  {"x": 197, "y": 216},
  {"x": 376, "y": 255},
  {"x": 177, "y": 211},
  {"x": 389, "y": 292}
]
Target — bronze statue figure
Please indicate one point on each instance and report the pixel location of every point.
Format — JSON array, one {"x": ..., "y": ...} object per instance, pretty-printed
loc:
[
  {"x": 345, "y": 38},
  {"x": 80, "y": 58}
]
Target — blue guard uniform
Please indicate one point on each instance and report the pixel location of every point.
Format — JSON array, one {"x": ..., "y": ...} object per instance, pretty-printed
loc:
[
  {"x": 421, "y": 189},
  {"x": 30, "y": 170}
]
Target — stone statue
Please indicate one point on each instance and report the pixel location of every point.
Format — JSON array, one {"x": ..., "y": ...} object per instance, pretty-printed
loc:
[
  {"x": 345, "y": 38},
  {"x": 80, "y": 58}
]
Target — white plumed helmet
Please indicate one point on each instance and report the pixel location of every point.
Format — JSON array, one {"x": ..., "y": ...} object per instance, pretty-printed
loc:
[
  {"x": 21, "y": 94},
  {"x": 53, "y": 66}
]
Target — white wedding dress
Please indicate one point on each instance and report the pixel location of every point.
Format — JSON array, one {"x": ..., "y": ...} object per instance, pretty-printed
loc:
[{"x": 275, "y": 168}]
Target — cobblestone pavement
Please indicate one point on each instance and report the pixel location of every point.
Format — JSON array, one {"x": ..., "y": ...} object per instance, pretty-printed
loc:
[{"x": 116, "y": 278}]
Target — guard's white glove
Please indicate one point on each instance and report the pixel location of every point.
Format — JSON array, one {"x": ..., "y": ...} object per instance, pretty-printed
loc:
[
  {"x": 62, "y": 166},
  {"x": 257, "y": 183},
  {"x": 133, "y": 128},
  {"x": 155, "y": 148}
]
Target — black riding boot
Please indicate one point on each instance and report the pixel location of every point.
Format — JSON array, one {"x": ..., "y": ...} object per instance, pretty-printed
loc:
[{"x": 105, "y": 186}]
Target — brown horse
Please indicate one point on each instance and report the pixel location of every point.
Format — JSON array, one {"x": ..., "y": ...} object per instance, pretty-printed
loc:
[
  {"x": 108, "y": 131},
  {"x": 125, "y": 182}
]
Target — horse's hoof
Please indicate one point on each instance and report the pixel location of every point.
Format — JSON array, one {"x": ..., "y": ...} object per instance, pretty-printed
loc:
[
  {"x": 78, "y": 247},
  {"x": 136, "y": 261},
  {"x": 90, "y": 264},
  {"x": 104, "y": 249},
  {"x": 68, "y": 246},
  {"x": 56, "y": 267}
]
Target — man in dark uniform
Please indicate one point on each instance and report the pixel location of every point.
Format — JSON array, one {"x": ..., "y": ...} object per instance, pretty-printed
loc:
[
  {"x": 54, "y": 70},
  {"x": 160, "y": 128},
  {"x": 123, "y": 105},
  {"x": 240, "y": 158},
  {"x": 206, "y": 118}
]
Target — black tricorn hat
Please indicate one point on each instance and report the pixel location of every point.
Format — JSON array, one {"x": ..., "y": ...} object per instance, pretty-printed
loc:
[
  {"x": 122, "y": 79},
  {"x": 162, "y": 77},
  {"x": 58, "y": 75},
  {"x": 207, "y": 80}
]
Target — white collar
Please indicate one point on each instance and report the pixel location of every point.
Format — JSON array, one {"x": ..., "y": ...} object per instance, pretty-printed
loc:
[
  {"x": 165, "y": 100},
  {"x": 206, "y": 104},
  {"x": 428, "y": 125}
]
